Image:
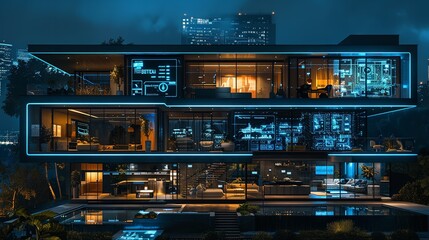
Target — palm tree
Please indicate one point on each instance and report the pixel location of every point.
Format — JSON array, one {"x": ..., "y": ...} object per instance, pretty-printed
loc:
[
  {"x": 54, "y": 197},
  {"x": 61, "y": 167},
  {"x": 41, "y": 225}
]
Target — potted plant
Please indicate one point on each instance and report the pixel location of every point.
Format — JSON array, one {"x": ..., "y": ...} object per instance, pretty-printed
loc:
[
  {"x": 75, "y": 182},
  {"x": 146, "y": 129},
  {"x": 369, "y": 173},
  {"x": 116, "y": 75},
  {"x": 45, "y": 138}
]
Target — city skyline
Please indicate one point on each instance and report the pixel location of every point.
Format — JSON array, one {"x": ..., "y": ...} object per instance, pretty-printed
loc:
[{"x": 240, "y": 29}]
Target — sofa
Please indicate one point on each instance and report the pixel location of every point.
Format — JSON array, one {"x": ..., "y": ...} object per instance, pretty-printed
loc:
[
  {"x": 352, "y": 185},
  {"x": 87, "y": 146},
  {"x": 239, "y": 188},
  {"x": 210, "y": 193}
]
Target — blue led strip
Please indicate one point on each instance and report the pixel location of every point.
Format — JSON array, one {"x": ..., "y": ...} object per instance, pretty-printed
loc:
[
  {"x": 50, "y": 65},
  {"x": 388, "y": 112},
  {"x": 372, "y": 155},
  {"x": 141, "y": 154},
  {"x": 168, "y": 106}
]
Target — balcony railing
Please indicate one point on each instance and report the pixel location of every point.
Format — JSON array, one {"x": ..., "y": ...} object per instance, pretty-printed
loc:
[{"x": 371, "y": 144}]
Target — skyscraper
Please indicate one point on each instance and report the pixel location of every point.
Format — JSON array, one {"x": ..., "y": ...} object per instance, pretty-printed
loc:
[
  {"x": 23, "y": 55},
  {"x": 241, "y": 29},
  {"x": 5, "y": 64}
]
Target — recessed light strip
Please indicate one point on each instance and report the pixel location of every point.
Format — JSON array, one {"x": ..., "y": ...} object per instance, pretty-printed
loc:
[{"x": 83, "y": 113}]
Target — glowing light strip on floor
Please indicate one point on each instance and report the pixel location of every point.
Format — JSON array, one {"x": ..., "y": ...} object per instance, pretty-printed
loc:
[
  {"x": 372, "y": 155},
  {"x": 141, "y": 154}
]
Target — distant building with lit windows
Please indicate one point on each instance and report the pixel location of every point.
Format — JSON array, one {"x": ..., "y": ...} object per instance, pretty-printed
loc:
[
  {"x": 241, "y": 29},
  {"x": 23, "y": 55},
  {"x": 5, "y": 64}
]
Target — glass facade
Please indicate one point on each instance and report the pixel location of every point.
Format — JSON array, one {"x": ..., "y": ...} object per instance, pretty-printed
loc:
[
  {"x": 283, "y": 150},
  {"x": 298, "y": 77},
  {"x": 226, "y": 79},
  {"x": 260, "y": 179},
  {"x": 92, "y": 130},
  {"x": 299, "y": 131},
  {"x": 196, "y": 131}
]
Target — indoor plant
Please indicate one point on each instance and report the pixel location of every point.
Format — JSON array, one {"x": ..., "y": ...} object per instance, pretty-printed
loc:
[
  {"x": 146, "y": 129},
  {"x": 116, "y": 75},
  {"x": 369, "y": 173},
  {"x": 45, "y": 138},
  {"x": 75, "y": 182}
]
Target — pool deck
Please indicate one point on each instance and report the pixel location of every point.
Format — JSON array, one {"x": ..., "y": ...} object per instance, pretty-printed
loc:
[{"x": 230, "y": 207}]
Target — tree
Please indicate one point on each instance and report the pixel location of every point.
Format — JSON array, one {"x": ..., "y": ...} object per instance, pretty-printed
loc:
[
  {"x": 61, "y": 167},
  {"x": 17, "y": 184},
  {"x": 51, "y": 189},
  {"x": 31, "y": 73},
  {"x": 116, "y": 42},
  {"x": 41, "y": 225}
]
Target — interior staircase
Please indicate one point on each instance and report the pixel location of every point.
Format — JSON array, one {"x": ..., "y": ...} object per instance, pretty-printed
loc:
[{"x": 209, "y": 176}]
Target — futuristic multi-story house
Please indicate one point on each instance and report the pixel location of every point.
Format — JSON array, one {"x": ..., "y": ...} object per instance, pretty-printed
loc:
[{"x": 223, "y": 122}]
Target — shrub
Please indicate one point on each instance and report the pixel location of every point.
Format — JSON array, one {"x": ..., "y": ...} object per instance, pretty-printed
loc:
[
  {"x": 245, "y": 209},
  {"x": 412, "y": 192},
  {"x": 378, "y": 236},
  {"x": 262, "y": 236},
  {"x": 284, "y": 235},
  {"x": 340, "y": 226},
  {"x": 404, "y": 235},
  {"x": 149, "y": 215}
]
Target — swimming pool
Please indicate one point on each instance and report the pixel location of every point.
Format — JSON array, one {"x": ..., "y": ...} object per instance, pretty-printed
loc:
[
  {"x": 369, "y": 217},
  {"x": 334, "y": 210},
  {"x": 99, "y": 216}
]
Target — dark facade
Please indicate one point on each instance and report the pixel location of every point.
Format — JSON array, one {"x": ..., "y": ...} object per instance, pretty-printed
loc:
[
  {"x": 223, "y": 122},
  {"x": 241, "y": 29}
]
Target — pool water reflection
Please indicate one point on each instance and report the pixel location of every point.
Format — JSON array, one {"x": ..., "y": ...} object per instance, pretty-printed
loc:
[
  {"x": 108, "y": 216},
  {"x": 333, "y": 210}
]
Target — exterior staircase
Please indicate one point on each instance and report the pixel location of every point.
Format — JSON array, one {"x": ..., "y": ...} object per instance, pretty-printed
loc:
[{"x": 226, "y": 222}]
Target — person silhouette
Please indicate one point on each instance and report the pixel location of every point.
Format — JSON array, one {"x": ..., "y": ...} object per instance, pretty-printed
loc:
[{"x": 305, "y": 88}]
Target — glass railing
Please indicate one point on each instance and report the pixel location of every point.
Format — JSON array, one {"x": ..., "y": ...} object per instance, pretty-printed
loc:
[{"x": 371, "y": 144}]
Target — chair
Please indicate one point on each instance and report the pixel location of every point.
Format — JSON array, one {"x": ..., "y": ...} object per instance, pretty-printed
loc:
[{"x": 375, "y": 146}]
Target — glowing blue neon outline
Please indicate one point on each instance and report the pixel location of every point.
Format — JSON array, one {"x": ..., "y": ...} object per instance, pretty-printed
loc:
[
  {"x": 6, "y": 44},
  {"x": 225, "y": 52},
  {"x": 156, "y": 103},
  {"x": 141, "y": 154},
  {"x": 372, "y": 154},
  {"x": 80, "y": 103},
  {"x": 223, "y": 106},
  {"x": 389, "y": 112},
  {"x": 292, "y": 106},
  {"x": 257, "y": 53},
  {"x": 50, "y": 65}
]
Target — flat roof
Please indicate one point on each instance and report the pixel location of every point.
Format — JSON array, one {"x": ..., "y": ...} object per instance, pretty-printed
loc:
[{"x": 72, "y": 58}]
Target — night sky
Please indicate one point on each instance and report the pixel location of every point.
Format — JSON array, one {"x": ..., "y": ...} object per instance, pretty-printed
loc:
[{"x": 158, "y": 22}]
